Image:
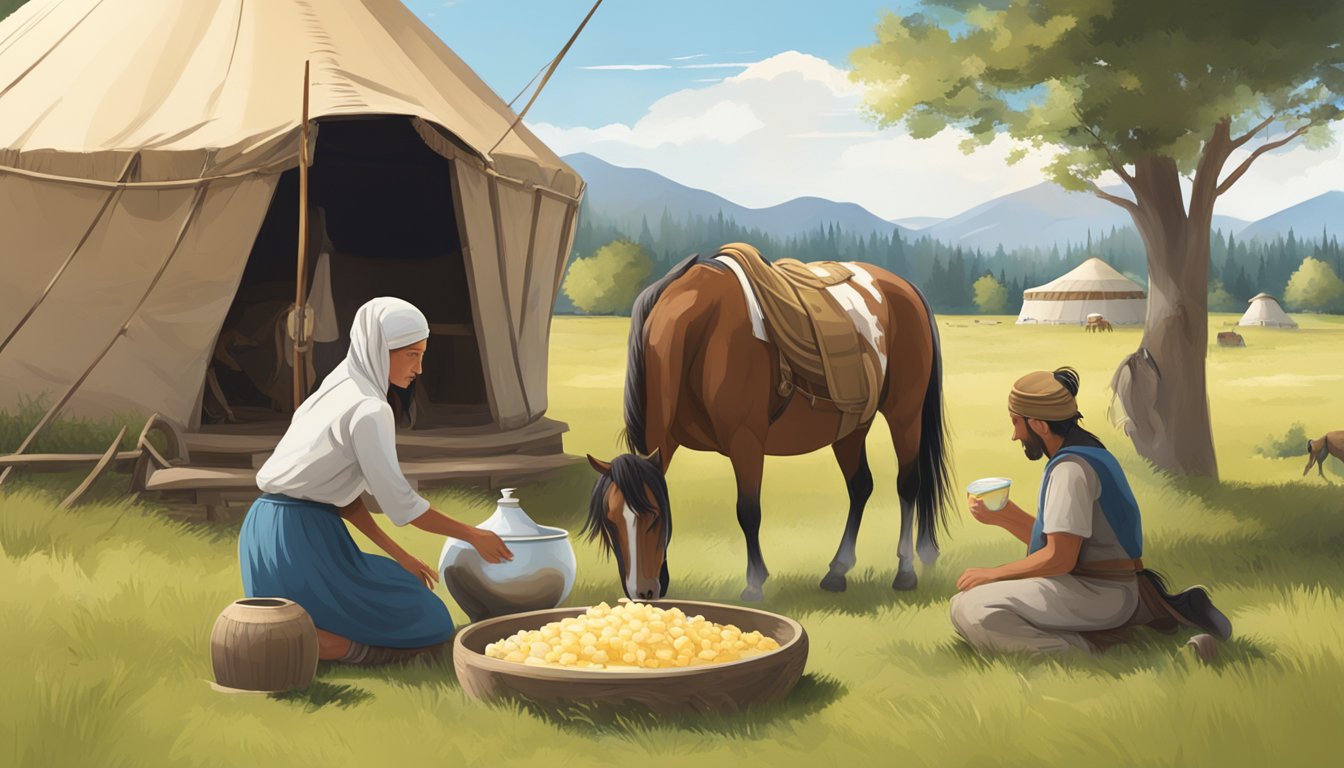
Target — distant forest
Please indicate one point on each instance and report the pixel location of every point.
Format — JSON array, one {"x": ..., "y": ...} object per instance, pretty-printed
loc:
[{"x": 945, "y": 274}]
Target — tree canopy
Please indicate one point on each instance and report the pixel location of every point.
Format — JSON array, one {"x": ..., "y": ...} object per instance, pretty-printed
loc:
[
  {"x": 1315, "y": 286},
  {"x": 608, "y": 281},
  {"x": 990, "y": 295},
  {"x": 1109, "y": 81}
]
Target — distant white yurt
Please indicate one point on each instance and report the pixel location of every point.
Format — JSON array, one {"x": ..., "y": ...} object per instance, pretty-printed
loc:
[
  {"x": 1093, "y": 287},
  {"x": 1265, "y": 311}
]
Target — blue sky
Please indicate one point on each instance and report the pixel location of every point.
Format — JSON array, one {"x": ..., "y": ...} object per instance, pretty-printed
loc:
[
  {"x": 751, "y": 100},
  {"x": 508, "y": 41}
]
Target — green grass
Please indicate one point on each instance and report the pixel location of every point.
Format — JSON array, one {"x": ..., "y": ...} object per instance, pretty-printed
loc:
[
  {"x": 108, "y": 607},
  {"x": 69, "y": 435}
]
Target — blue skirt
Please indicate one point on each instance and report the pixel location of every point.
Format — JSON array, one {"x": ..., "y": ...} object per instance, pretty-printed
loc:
[{"x": 301, "y": 550}]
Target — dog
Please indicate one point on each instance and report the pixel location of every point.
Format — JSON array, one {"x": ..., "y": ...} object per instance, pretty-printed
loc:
[{"x": 1331, "y": 443}]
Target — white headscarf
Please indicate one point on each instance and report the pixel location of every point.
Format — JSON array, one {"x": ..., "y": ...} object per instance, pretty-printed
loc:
[{"x": 381, "y": 325}]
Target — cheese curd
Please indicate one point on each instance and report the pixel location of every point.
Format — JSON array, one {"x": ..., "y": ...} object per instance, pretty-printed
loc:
[{"x": 629, "y": 637}]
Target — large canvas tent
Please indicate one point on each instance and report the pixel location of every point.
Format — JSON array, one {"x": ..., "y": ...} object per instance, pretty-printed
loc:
[
  {"x": 1091, "y": 287},
  {"x": 1264, "y": 310},
  {"x": 148, "y": 199}
]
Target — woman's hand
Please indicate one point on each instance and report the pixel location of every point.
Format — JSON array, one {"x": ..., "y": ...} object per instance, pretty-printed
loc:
[
  {"x": 490, "y": 547},
  {"x": 419, "y": 569}
]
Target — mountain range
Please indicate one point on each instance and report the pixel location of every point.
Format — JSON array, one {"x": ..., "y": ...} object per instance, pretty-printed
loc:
[
  {"x": 1039, "y": 216},
  {"x": 628, "y": 194}
]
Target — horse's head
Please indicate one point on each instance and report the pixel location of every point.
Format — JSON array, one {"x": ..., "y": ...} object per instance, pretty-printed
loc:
[{"x": 631, "y": 516}]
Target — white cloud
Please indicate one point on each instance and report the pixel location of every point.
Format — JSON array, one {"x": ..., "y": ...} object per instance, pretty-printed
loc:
[
  {"x": 722, "y": 123},
  {"x": 791, "y": 126},
  {"x": 628, "y": 67},
  {"x": 722, "y": 65}
]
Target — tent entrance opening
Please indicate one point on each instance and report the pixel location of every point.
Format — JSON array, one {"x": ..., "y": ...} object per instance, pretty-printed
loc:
[{"x": 381, "y": 224}]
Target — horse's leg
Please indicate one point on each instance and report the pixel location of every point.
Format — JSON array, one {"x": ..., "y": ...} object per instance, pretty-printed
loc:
[
  {"x": 852, "y": 456},
  {"x": 905, "y": 433},
  {"x": 748, "y": 457}
]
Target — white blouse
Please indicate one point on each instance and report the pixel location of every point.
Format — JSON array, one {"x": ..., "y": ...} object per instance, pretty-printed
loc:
[{"x": 339, "y": 447}]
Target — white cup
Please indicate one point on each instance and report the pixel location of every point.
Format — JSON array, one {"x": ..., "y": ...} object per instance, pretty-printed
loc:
[{"x": 992, "y": 491}]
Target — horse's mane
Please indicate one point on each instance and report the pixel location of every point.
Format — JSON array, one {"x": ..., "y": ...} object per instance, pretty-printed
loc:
[
  {"x": 633, "y": 476},
  {"x": 634, "y": 369}
]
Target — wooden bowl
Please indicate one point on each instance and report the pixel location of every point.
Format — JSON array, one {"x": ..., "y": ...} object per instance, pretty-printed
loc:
[{"x": 727, "y": 687}]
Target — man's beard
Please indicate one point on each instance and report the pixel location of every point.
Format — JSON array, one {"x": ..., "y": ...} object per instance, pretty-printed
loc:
[{"x": 1033, "y": 446}]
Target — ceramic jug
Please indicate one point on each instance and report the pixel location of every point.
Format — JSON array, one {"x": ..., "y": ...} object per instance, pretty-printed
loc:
[{"x": 539, "y": 576}]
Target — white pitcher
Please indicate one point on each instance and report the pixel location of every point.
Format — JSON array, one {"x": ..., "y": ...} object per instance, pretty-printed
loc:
[{"x": 539, "y": 576}]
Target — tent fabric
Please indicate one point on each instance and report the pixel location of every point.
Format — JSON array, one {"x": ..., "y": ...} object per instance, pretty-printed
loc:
[
  {"x": 141, "y": 142},
  {"x": 171, "y": 276},
  {"x": 1091, "y": 287},
  {"x": 471, "y": 192},
  {"x": 1265, "y": 311},
  {"x": 212, "y": 87}
]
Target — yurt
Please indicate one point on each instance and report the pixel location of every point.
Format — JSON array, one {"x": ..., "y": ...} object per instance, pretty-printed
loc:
[
  {"x": 1266, "y": 312},
  {"x": 149, "y": 200},
  {"x": 1093, "y": 287}
]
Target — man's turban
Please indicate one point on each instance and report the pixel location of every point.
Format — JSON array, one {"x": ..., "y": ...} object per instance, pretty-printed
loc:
[{"x": 1040, "y": 395}]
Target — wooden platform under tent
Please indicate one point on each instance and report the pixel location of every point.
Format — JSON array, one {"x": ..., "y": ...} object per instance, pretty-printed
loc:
[{"x": 209, "y": 472}]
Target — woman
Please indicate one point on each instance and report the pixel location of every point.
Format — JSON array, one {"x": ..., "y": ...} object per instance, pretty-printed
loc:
[{"x": 342, "y": 441}]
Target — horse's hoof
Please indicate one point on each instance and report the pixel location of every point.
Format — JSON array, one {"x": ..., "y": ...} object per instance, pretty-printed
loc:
[
  {"x": 1206, "y": 647},
  {"x": 834, "y": 582},
  {"x": 905, "y": 581},
  {"x": 753, "y": 594}
]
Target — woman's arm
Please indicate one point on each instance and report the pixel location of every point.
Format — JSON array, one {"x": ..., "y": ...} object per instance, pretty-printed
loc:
[
  {"x": 358, "y": 515},
  {"x": 487, "y": 543},
  {"x": 1057, "y": 557}
]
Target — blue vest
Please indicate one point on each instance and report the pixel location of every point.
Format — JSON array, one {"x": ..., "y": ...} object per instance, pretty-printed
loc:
[{"x": 1117, "y": 500}]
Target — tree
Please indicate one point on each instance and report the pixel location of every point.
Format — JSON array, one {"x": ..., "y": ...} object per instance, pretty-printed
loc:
[
  {"x": 1219, "y": 299},
  {"x": 9, "y": 6},
  {"x": 608, "y": 281},
  {"x": 1149, "y": 90},
  {"x": 990, "y": 295},
  {"x": 1315, "y": 286}
]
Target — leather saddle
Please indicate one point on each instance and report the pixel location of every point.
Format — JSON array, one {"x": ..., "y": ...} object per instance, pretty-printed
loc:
[{"x": 821, "y": 351}]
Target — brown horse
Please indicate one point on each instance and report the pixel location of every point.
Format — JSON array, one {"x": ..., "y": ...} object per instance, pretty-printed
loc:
[{"x": 698, "y": 377}]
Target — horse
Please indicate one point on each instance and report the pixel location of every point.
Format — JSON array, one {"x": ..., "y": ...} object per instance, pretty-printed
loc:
[
  {"x": 1329, "y": 444},
  {"x": 697, "y": 377}
]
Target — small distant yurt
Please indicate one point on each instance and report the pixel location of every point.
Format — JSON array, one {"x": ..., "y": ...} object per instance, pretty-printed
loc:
[
  {"x": 1093, "y": 287},
  {"x": 1266, "y": 312}
]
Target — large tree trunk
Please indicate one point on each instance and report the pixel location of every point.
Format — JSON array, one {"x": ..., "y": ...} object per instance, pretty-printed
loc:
[{"x": 1162, "y": 385}]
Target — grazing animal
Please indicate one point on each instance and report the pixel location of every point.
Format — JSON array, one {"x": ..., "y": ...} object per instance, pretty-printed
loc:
[
  {"x": 1331, "y": 443},
  {"x": 1095, "y": 324},
  {"x": 699, "y": 376},
  {"x": 1230, "y": 339}
]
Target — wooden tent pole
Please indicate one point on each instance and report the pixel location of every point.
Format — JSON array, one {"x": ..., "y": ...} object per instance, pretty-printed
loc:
[
  {"x": 554, "y": 63},
  {"x": 300, "y": 314}
]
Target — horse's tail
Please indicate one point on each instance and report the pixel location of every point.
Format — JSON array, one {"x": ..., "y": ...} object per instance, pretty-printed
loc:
[
  {"x": 635, "y": 389},
  {"x": 935, "y": 481}
]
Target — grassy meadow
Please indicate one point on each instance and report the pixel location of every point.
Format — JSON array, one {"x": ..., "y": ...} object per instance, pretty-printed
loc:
[{"x": 108, "y": 607}]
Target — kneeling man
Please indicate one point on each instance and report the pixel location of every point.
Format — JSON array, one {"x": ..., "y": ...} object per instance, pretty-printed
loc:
[{"x": 1082, "y": 584}]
